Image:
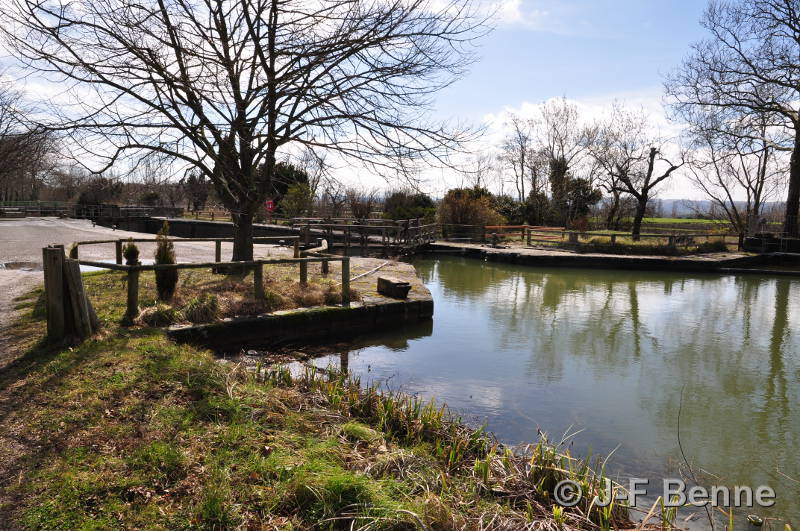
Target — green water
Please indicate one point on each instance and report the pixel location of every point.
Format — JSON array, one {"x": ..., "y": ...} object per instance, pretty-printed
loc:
[{"x": 610, "y": 354}]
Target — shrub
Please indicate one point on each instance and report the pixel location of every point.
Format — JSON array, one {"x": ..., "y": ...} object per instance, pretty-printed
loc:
[
  {"x": 404, "y": 204},
  {"x": 468, "y": 206},
  {"x": 202, "y": 309},
  {"x": 717, "y": 246},
  {"x": 512, "y": 210},
  {"x": 166, "y": 280},
  {"x": 159, "y": 315},
  {"x": 131, "y": 253},
  {"x": 297, "y": 201}
]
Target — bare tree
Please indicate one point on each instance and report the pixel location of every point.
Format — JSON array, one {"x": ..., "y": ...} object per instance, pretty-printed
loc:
[
  {"x": 517, "y": 149},
  {"x": 222, "y": 87},
  {"x": 25, "y": 151},
  {"x": 750, "y": 65},
  {"x": 735, "y": 167},
  {"x": 632, "y": 158}
]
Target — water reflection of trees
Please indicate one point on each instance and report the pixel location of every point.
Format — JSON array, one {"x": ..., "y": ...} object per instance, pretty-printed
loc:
[{"x": 728, "y": 341}]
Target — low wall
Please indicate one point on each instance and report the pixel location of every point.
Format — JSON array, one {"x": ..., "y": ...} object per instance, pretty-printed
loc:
[
  {"x": 305, "y": 324},
  {"x": 599, "y": 261}
]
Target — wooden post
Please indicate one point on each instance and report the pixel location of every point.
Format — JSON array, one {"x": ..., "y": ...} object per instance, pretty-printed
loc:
[
  {"x": 258, "y": 281},
  {"x": 217, "y": 251},
  {"x": 613, "y": 239},
  {"x": 325, "y": 269},
  {"x": 346, "y": 281},
  {"x": 528, "y": 231},
  {"x": 297, "y": 248},
  {"x": 53, "y": 263},
  {"x": 118, "y": 249},
  {"x": 133, "y": 295},
  {"x": 81, "y": 320},
  {"x": 303, "y": 273}
]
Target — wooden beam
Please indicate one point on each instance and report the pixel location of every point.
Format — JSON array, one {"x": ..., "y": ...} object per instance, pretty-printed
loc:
[{"x": 53, "y": 263}]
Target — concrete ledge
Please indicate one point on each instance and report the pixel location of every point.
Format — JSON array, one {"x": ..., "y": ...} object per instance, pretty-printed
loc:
[
  {"x": 304, "y": 324},
  {"x": 559, "y": 258}
]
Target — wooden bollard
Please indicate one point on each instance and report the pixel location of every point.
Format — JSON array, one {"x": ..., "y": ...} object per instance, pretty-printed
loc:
[
  {"x": 132, "y": 309},
  {"x": 118, "y": 249},
  {"x": 346, "y": 281},
  {"x": 303, "y": 273},
  {"x": 53, "y": 264},
  {"x": 258, "y": 281},
  {"x": 217, "y": 251}
]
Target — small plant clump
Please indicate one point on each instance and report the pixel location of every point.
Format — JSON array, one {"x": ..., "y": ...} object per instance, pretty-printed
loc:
[
  {"x": 166, "y": 279},
  {"x": 131, "y": 253},
  {"x": 202, "y": 309},
  {"x": 159, "y": 315}
]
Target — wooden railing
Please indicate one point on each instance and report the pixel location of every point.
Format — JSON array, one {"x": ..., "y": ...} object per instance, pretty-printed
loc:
[
  {"x": 118, "y": 243},
  {"x": 56, "y": 266},
  {"x": 558, "y": 235}
]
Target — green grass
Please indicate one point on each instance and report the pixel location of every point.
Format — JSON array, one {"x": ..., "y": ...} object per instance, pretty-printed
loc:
[{"x": 129, "y": 430}]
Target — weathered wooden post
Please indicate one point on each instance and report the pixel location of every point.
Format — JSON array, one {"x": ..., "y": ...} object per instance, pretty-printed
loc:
[
  {"x": 345, "y": 281},
  {"x": 297, "y": 248},
  {"x": 528, "y": 235},
  {"x": 118, "y": 249},
  {"x": 613, "y": 239},
  {"x": 303, "y": 273},
  {"x": 217, "y": 251},
  {"x": 132, "y": 309},
  {"x": 258, "y": 281},
  {"x": 53, "y": 263},
  {"x": 82, "y": 316},
  {"x": 325, "y": 268}
]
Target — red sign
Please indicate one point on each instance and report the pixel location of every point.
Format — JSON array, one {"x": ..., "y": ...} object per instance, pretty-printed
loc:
[{"x": 270, "y": 205}]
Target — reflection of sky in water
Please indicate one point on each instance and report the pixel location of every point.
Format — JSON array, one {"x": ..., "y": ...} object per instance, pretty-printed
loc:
[{"x": 607, "y": 353}]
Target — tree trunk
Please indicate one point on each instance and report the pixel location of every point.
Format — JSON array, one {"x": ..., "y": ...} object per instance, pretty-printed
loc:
[
  {"x": 793, "y": 195},
  {"x": 242, "y": 236},
  {"x": 641, "y": 206},
  {"x": 612, "y": 212}
]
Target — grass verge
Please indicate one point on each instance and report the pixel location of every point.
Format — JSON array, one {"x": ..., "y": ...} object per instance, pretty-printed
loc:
[{"x": 130, "y": 430}]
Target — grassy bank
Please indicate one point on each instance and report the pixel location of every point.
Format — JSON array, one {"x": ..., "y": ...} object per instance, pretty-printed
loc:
[{"x": 130, "y": 430}]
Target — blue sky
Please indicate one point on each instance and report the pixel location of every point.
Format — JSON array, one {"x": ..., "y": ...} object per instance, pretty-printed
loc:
[{"x": 580, "y": 49}]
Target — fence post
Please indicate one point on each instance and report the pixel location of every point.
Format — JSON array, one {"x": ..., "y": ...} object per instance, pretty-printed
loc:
[
  {"x": 258, "y": 281},
  {"x": 133, "y": 295},
  {"x": 303, "y": 273},
  {"x": 53, "y": 264},
  {"x": 217, "y": 251},
  {"x": 613, "y": 239},
  {"x": 345, "y": 281},
  {"x": 118, "y": 249},
  {"x": 297, "y": 248},
  {"x": 528, "y": 231},
  {"x": 325, "y": 268}
]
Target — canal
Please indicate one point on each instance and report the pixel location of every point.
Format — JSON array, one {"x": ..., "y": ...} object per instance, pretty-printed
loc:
[{"x": 609, "y": 357}]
